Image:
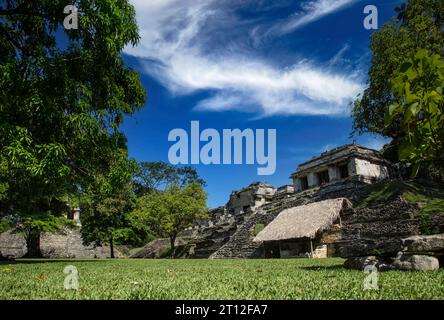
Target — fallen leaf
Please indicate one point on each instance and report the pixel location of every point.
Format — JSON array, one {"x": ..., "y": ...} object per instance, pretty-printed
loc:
[{"x": 42, "y": 276}]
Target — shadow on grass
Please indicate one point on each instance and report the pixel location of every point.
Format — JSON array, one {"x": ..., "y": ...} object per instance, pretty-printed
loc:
[{"x": 33, "y": 261}]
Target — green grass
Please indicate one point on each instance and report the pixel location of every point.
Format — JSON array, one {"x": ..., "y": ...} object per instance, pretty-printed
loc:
[
  {"x": 210, "y": 279},
  {"x": 429, "y": 197}
]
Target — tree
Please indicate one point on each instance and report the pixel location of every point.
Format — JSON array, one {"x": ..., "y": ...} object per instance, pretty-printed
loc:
[
  {"x": 172, "y": 210},
  {"x": 418, "y": 110},
  {"x": 63, "y": 95},
  {"x": 153, "y": 176},
  {"x": 106, "y": 205},
  {"x": 420, "y": 24}
]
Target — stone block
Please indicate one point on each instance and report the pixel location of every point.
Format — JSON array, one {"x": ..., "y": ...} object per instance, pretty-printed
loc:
[
  {"x": 415, "y": 262},
  {"x": 424, "y": 243}
]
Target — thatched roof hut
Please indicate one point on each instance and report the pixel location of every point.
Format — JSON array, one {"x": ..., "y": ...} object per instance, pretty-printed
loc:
[{"x": 304, "y": 221}]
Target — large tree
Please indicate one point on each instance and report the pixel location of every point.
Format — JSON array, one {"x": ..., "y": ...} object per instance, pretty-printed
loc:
[
  {"x": 171, "y": 211},
  {"x": 63, "y": 95},
  {"x": 106, "y": 203},
  {"x": 419, "y": 25}
]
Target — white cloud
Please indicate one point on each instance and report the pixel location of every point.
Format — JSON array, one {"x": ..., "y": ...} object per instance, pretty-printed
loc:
[
  {"x": 312, "y": 11},
  {"x": 193, "y": 45},
  {"x": 339, "y": 56}
]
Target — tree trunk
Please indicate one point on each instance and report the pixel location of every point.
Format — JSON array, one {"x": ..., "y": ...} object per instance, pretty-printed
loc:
[
  {"x": 111, "y": 247},
  {"x": 172, "y": 242},
  {"x": 33, "y": 245}
]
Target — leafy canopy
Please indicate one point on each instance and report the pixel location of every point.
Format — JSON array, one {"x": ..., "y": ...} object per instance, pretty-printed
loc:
[
  {"x": 105, "y": 205},
  {"x": 418, "y": 110},
  {"x": 171, "y": 211},
  {"x": 419, "y": 25},
  {"x": 63, "y": 95},
  {"x": 153, "y": 176}
]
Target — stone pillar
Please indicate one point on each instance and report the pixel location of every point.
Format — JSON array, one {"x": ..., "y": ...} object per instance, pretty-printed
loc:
[
  {"x": 313, "y": 180},
  {"x": 77, "y": 216},
  {"x": 333, "y": 173},
  {"x": 352, "y": 170},
  {"x": 297, "y": 184}
]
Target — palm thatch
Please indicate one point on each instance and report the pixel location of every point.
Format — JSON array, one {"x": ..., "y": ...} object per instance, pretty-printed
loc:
[{"x": 303, "y": 221}]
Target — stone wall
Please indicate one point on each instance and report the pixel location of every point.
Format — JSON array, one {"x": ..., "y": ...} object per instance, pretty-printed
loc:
[
  {"x": 388, "y": 236},
  {"x": 373, "y": 170},
  {"x": 12, "y": 245},
  {"x": 378, "y": 229},
  {"x": 66, "y": 244},
  {"x": 320, "y": 252}
]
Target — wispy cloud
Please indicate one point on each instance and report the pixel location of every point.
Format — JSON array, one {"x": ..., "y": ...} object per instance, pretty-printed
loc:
[
  {"x": 195, "y": 45},
  {"x": 339, "y": 56},
  {"x": 311, "y": 11}
]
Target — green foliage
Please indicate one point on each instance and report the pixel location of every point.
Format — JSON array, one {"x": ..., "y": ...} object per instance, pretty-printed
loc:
[
  {"x": 258, "y": 228},
  {"x": 153, "y": 176},
  {"x": 106, "y": 204},
  {"x": 418, "y": 110},
  {"x": 168, "y": 212},
  {"x": 420, "y": 24},
  {"x": 61, "y": 104},
  {"x": 42, "y": 223},
  {"x": 5, "y": 225},
  {"x": 183, "y": 279}
]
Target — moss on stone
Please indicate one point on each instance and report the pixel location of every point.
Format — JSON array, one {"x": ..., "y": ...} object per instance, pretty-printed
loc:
[{"x": 429, "y": 197}]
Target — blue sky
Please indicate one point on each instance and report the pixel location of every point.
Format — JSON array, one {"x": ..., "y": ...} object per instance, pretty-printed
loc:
[{"x": 293, "y": 66}]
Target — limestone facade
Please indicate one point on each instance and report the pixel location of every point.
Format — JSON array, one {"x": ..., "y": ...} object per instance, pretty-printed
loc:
[
  {"x": 349, "y": 161},
  {"x": 250, "y": 198}
]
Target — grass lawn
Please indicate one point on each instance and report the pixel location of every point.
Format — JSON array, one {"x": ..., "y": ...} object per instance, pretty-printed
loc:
[{"x": 210, "y": 279}]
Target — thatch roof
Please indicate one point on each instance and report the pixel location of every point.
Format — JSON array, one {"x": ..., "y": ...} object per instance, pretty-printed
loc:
[{"x": 303, "y": 221}]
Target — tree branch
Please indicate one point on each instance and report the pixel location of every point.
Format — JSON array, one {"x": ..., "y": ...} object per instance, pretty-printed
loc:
[{"x": 17, "y": 45}]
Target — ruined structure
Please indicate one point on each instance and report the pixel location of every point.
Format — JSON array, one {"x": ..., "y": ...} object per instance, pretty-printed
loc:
[
  {"x": 250, "y": 198},
  {"x": 65, "y": 244},
  {"x": 315, "y": 218},
  {"x": 74, "y": 215},
  {"x": 232, "y": 229},
  {"x": 349, "y": 161}
]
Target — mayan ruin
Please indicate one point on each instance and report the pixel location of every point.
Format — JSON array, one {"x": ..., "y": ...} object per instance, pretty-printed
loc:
[
  {"x": 315, "y": 218},
  {"x": 236, "y": 158}
]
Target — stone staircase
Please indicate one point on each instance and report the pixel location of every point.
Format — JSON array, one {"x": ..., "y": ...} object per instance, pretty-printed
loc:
[{"x": 241, "y": 244}]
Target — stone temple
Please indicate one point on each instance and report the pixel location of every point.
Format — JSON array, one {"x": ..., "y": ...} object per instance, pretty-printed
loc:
[
  {"x": 292, "y": 220},
  {"x": 349, "y": 161},
  {"x": 314, "y": 217}
]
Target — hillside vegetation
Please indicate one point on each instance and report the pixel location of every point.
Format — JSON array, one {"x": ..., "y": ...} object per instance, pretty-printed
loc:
[{"x": 429, "y": 197}]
